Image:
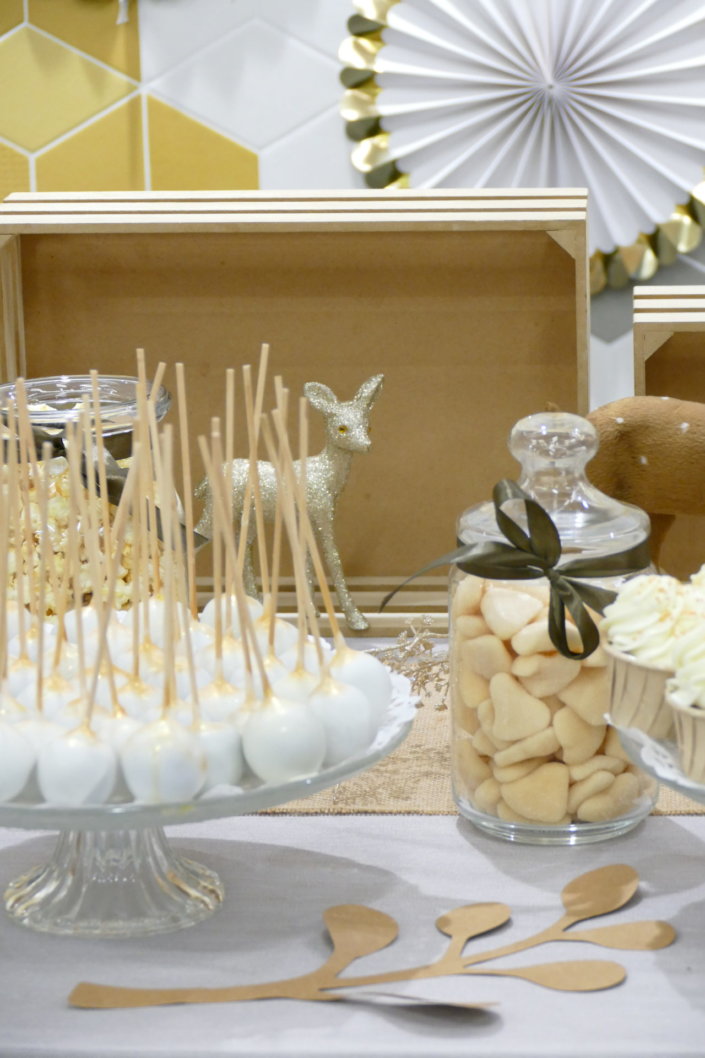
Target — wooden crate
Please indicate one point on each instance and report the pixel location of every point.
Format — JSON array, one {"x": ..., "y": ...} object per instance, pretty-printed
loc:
[
  {"x": 474, "y": 305},
  {"x": 669, "y": 360}
]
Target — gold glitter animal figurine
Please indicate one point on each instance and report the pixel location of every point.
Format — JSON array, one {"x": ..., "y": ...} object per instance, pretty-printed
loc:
[{"x": 346, "y": 425}]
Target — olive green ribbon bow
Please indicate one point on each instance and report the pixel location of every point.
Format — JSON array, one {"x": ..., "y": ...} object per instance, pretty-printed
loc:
[{"x": 528, "y": 556}]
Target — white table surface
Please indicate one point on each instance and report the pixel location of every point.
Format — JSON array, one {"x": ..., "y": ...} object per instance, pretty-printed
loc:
[{"x": 282, "y": 872}]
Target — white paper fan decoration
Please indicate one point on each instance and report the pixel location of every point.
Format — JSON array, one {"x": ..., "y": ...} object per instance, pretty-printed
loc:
[{"x": 608, "y": 94}]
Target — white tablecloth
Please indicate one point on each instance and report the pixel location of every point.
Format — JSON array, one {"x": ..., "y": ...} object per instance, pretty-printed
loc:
[{"x": 282, "y": 872}]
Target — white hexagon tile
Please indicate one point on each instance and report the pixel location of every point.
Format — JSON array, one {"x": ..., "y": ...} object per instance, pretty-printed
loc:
[
  {"x": 174, "y": 30},
  {"x": 255, "y": 83}
]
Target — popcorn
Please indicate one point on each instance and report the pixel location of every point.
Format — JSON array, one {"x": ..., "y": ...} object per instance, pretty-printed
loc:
[{"x": 57, "y": 530}]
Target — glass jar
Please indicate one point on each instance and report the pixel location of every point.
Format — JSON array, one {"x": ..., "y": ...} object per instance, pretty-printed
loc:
[
  {"x": 532, "y": 757},
  {"x": 58, "y": 399},
  {"x": 52, "y": 403}
]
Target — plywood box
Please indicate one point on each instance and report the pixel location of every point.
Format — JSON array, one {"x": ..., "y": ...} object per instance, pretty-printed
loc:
[
  {"x": 669, "y": 361},
  {"x": 474, "y": 306}
]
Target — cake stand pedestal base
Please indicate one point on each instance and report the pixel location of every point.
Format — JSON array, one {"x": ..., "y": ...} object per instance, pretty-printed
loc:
[{"x": 113, "y": 883}]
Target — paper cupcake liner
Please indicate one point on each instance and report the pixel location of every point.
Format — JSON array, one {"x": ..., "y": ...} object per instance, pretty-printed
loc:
[
  {"x": 638, "y": 694},
  {"x": 690, "y": 737}
]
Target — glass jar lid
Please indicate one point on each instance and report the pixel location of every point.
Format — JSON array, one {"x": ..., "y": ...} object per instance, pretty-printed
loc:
[{"x": 553, "y": 449}]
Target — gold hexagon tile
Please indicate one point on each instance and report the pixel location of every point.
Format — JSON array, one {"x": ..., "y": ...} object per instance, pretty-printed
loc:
[
  {"x": 92, "y": 27},
  {"x": 184, "y": 154},
  {"x": 104, "y": 156},
  {"x": 11, "y": 14},
  {"x": 14, "y": 171},
  {"x": 49, "y": 89}
]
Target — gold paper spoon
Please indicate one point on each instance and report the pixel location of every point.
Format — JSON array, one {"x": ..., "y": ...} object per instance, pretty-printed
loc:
[
  {"x": 354, "y": 930},
  {"x": 463, "y": 923},
  {"x": 588, "y": 976},
  {"x": 628, "y": 936},
  {"x": 599, "y": 892}
]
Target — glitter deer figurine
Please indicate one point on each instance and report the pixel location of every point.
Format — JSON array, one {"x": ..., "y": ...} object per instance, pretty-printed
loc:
[{"x": 346, "y": 431}]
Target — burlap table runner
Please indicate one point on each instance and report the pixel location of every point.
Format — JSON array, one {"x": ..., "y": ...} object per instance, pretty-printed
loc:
[{"x": 415, "y": 779}]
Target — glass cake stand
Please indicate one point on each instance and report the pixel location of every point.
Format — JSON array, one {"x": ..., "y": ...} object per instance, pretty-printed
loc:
[
  {"x": 113, "y": 874},
  {"x": 659, "y": 758}
]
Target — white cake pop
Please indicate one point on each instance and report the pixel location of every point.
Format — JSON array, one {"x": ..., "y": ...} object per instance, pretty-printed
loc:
[
  {"x": 274, "y": 668},
  {"x": 57, "y": 693},
  {"x": 182, "y": 678},
  {"x": 346, "y": 715},
  {"x": 296, "y": 686},
  {"x": 21, "y": 672},
  {"x": 17, "y": 757},
  {"x": 87, "y": 618},
  {"x": 150, "y": 663},
  {"x": 163, "y": 763},
  {"x": 68, "y": 661},
  {"x": 29, "y": 644},
  {"x": 154, "y": 613},
  {"x": 39, "y": 730},
  {"x": 115, "y": 728},
  {"x": 209, "y": 613},
  {"x": 222, "y": 748},
  {"x": 160, "y": 627},
  {"x": 285, "y": 634},
  {"x": 10, "y": 708},
  {"x": 283, "y": 741},
  {"x": 232, "y": 659},
  {"x": 141, "y": 700},
  {"x": 220, "y": 700},
  {"x": 311, "y": 661},
  {"x": 78, "y": 768},
  {"x": 368, "y": 674},
  {"x": 201, "y": 636}
]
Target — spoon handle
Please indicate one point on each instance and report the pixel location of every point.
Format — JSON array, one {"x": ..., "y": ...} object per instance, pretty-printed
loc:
[{"x": 107, "y": 997}]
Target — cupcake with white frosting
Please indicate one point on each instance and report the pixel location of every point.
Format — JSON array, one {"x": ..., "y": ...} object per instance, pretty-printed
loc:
[{"x": 639, "y": 630}]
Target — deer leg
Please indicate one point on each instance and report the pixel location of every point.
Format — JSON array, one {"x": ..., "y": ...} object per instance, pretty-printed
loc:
[
  {"x": 248, "y": 572},
  {"x": 311, "y": 582},
  {"x": 354, "y": 618}
]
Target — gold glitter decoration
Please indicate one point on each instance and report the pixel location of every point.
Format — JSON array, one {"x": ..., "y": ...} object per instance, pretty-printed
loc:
[
  {"x": 346, "y": 428},
  {"x": 421, "y": 655},
  {"x": 364, "y": 61}
]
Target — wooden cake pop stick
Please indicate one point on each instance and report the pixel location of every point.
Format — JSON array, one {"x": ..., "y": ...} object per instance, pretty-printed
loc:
[
  {"x": 253, "y": 416},
  {"x": 100, "y": 453},
  {"x": 221, "y": 519},
  {"x": 309, "y": 538},
  {"x": 150, "y": 456},
  {"x": 252, "y": 479},
  {"x": 187, "y": 489},
  {"x": 230, "y": 467},
  {"x": 119, "y": 531}
]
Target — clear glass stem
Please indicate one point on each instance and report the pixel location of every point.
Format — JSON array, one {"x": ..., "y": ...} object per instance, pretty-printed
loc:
[{"x": 113, "y": 883}]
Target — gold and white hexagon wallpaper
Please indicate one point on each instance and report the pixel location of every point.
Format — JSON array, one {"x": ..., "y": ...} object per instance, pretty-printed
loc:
[
  {"x": 171, "y": 95},
  {"x": 241, "y": 94}
]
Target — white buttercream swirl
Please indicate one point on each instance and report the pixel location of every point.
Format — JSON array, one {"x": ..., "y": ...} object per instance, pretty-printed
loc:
[
  {"x": 642, "y": 619},
  {"x": 661, "y": 622}
]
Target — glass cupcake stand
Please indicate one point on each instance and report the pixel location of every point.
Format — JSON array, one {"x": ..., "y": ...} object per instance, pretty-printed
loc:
[
  {"x": 659, "y": 758},
  {"x": 113, "y": 873}
]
